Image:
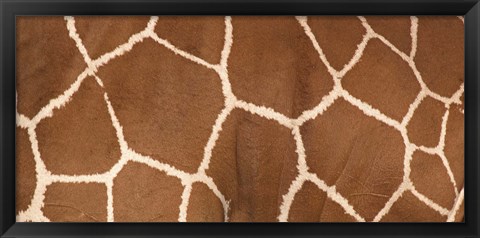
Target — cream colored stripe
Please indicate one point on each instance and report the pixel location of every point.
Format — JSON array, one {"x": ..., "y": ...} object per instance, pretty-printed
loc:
[
  {"x": 217, "y": 128},
  {"x": 429, "y": 202},
  {"x": 184, "y": 204},
  {"x": 207, "y": 180},
  {"x": 456, "y": 206},
  {"x": 335, "y": 196},
  {"x": 265, "y": 112},
  {"x": 325, "y": 103},
  {"x": 60, "y": 101},
  {"x": 227, "y": 46},
  {"x": 357, "y": 55},
  {"x": 287, "y": 199},
  {"x": 446, "y": 164},
  {"x": 370, "y": 111},
  {"x": 110, "y": 208},
  {"x": 395, "y": 196},
  {"x": 411, "y": 109},
  {"x": 182, "y": 53},
  {"x": 23, "y": 121},
  {"x": 413, "y": 35},
  {"x": 303, "y": 22},
  {"x": 72, "y": 32}
]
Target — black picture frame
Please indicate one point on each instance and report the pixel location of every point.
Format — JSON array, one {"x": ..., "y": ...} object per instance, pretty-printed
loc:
[{"x": 11, "y": 8}]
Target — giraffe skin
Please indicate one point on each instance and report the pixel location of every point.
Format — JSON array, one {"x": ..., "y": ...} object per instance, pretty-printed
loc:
[{"x": 240, "y": 119}]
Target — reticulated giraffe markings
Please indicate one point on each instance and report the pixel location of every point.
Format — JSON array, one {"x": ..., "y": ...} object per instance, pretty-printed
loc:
[{"x": 45, "y": 177}]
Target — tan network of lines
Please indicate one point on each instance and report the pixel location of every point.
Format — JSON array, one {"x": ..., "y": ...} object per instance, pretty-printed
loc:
[{"x": 45, "y": 177}]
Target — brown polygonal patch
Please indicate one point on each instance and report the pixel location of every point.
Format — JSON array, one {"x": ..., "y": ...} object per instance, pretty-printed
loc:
[
  {"x": 144, "y": 194},
  {"x": 409, "y": 209},
  {"x": 382, "y": 79},
  {"x": 25, "y": 171},
  {"x": 102, "y": 34},
  {"x": 308, "y": 204},
  {"x": 455, "y": 144},
  {"x": 440, "y": 54},
  {"x": 47, "y": 61},
  {"x": 166, "y": 104},
  {"x": 395, "y": 29},
  {"x": 333, "y": 212},
  {"x": 76, "y": 202},
  {"x": 337, "y": 36},
  {"x": 253, "y": 164},
  {"x": 430, "y": 178},
  {"x": 79, "y": 138},
  {"x": 273, "y": 63},
  {"x": 425, "y": 126},
  {"x": 200, "y": 36},
  {"x": 204, "y": 206},
  {"x": 361, "y": 156}
]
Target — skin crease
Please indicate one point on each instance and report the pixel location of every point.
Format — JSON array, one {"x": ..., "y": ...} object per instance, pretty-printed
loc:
[{"x": 166, "y": 106}]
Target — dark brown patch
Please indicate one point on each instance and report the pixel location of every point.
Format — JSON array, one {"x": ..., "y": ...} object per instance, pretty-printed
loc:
[
  {"x": 200, "y": 36},
  {"x": 425, "y": 126},
  {"x": 337, "y": 36},
  {"x": 430, "y": 178},
  {"x": 307, "y": 204},
  {"x": 409, "y": 209},
  {"x": 144, "y": 194},
  {"x": 204, "y": 206},
  {"x": 333, "y": 212},
  {"x": 79, "y": 138},
  {"x": 76, "y": 202},
  {"x": 273, "y": 63},
  {"x": 382, "y": 79},
  {"x": 47, "y": 61},
  {"x": 166, "y": 104},
  {"x": 253, "y": 164},
  {"x": 395, "y": 29},
  {"x": 25, "y": 171},
  {"x": 102, "y": 34},
  {"x": 440, "y": 54},
  {"x": 455, "y": 144},
  {"x": 360, "y": 155}
]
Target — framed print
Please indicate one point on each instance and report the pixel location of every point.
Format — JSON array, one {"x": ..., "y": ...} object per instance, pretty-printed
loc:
[{"x": 206, "y": 118}]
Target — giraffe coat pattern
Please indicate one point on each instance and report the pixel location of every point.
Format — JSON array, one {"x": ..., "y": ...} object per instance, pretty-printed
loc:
[{"x": 240, "y": 119}]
